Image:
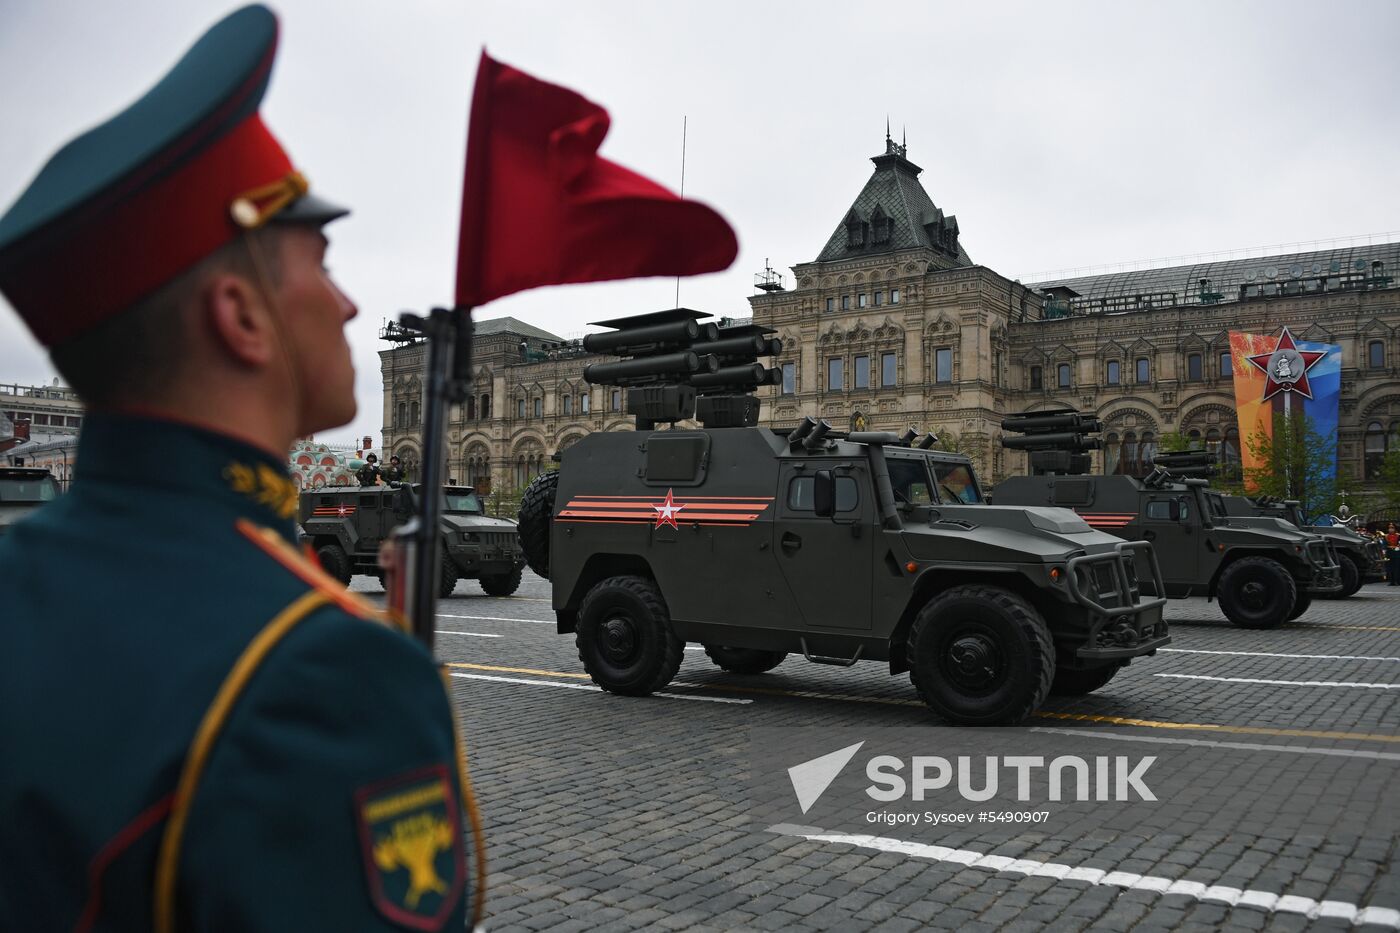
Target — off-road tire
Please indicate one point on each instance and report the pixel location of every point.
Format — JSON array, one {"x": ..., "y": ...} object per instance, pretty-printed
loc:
[
  {"x": 967, "y": 626},
  {"x": 334, "y": 561},
  {"x": 1069, "y": 682},
  {"x": 447, "y": 578},
  {"x": 1257, "y": 593},
  {"x": 1300, "y": 605},
  {"x": 1351, "y": 577},
  {"x": 501, "y": 584},
  {"x": 624, "y": 637},
  {"x": 744, "y": 660},
  {"x": 535, "y": 518}
]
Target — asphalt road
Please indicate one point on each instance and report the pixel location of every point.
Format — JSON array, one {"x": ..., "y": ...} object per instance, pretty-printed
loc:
[{"x": 614, "y": 813}]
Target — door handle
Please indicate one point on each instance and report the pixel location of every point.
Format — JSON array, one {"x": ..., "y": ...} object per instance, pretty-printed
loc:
[
  {"x": 791, "y": 542},
  {"x": 1149, "y": 536}
]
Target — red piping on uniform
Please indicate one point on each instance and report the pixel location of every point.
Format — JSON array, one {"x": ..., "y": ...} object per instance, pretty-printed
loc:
[{"x": 115, "y": 846}]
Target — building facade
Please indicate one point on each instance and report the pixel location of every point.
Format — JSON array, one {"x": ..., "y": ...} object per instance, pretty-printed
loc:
[{"x": 894, "y": 324}]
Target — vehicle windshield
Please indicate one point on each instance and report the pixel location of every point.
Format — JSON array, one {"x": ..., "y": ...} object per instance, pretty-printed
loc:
[
  {"x": 35, "y": 489},
  {"x": 956, "y": 483},
  {"x": 1217, "y": 505},
  {"x": 462, "y": 500}
]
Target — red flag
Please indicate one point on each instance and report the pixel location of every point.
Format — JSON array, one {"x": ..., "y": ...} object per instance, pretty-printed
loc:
[{"x": 541, "y": 207}]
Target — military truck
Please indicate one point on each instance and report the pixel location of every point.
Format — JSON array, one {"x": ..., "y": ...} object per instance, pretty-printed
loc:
[
  {"x": 1360, "y": 558},
  {"x": 345, "y": 526},
  {"x": 1264, "y": 572},
  {"x": 840, "y": 546},
  {"x": 22, "y": 490}
]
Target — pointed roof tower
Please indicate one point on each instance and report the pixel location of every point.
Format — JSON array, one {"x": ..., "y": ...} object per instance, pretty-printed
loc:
[{"x": 894, "y": 212}]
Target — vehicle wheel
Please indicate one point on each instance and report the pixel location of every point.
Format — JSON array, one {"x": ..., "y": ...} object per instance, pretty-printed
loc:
[
  {"x": 334, "y": 561},
  {"x": 744, "y": 660},
  {"x": 447, "y": 580},
  {"x": 501, "y": 584},
  {"x": 625, "y": 639},
  {"x": 1076, "y": 683},
  {"x": 1351, "y": 577},
  {"x": 980, "y": 656},
  {"x": 1257, "y": 592},
  {"x": 535, "y": 518},
  {"x": 1300, "y": 605}
]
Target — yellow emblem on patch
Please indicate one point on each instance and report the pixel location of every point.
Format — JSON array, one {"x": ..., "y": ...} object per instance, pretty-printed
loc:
[
  {"x": 411, "y": 835},
  {"x": 265, "y": 486}
]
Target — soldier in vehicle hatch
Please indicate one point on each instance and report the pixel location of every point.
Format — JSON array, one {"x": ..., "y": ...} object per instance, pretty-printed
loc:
[
  {"x": 246, "y": 745},
  {"x": 368, "y": 475},
  {"x": 393, "y": 473}
]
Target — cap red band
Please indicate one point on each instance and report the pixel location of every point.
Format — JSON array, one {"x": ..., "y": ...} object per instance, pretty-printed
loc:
[{"x": 106, "y": 261}]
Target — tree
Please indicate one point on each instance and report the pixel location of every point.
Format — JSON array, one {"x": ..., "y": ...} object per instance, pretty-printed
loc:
[
  {"x": 1173, "y": 442},
  {"x": 1295, "y": 463},
  {"x": 1388, "y": 480}
]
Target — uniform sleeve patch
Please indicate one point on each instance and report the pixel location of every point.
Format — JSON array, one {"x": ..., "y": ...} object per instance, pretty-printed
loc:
[
  {"x": 411, "y": 839},
  {"x": 276, "y": 547}
]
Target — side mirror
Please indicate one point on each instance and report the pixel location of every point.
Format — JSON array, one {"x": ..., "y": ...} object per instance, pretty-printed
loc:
[{"x": 824, "y": 494}]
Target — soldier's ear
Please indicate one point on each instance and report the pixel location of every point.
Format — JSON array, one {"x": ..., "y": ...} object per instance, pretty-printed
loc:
[{"x": 238, "y": 320}]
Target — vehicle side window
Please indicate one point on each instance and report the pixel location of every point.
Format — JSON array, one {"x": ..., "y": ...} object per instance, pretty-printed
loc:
[
  {"x": 800, "y": 494},
  {"x": 910, "y": 481},
  {"x": 1160, "y": 510}
]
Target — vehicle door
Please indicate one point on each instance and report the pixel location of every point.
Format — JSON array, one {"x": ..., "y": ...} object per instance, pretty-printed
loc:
[
  {"x": 370, "y": 519},
  {"x": 1169, "y": 522},
  {"x": 827, "y": 562}
]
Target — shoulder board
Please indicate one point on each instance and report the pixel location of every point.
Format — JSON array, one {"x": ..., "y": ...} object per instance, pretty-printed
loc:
[{"x": 308, "y": 571}]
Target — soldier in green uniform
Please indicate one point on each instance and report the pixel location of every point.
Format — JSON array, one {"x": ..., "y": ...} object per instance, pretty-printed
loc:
[
  {"x": 368, "y": 475},
  {"x": 393, "y": 473},
  {"x": 201, "y": 730}
]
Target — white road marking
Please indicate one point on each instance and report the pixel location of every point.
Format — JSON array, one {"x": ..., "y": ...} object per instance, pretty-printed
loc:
[
  {"x": 1268, "y": 654},
  {"x": 443, "y": 631},
  {"x": 444, "y": 615},
  {"x": 1283, "y": 683},
  {"x": 595, "y": 688},
  {"x": 1208, "y": 743},
  {"x": 694, "y": 647},
  {"x": 1277, "y": 903}
]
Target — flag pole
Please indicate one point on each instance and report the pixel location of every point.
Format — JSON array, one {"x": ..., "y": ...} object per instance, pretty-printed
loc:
[{"x": 684, "y": 120}]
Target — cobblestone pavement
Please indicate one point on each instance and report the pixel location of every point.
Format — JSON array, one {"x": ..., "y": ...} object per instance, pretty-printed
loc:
[{"x": 614, "y": 813}]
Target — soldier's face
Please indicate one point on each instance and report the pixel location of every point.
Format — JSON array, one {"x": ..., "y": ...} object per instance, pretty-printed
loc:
[{"x": 316, "y": 311}]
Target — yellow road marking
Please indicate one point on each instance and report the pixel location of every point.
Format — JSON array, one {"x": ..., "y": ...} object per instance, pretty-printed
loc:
[{"x": 896, "y": 701}]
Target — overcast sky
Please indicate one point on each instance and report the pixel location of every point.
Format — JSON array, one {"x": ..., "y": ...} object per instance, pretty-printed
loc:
[{"x": 1061, "y": 134}]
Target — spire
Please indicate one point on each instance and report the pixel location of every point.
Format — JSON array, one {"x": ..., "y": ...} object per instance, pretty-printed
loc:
[{"x": 890, "y": 147}]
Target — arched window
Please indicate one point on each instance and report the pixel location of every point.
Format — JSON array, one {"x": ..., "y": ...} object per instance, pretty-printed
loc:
[
  {"x": 1129, "y": 454},
  {"x": 1375, "y": 354},
  {"x": 401, "y": 416},
  {"x": 413, "y": 413},
  {"x": 1112, "y": 449},
  {"x": 1146, "y": 453},
  {"x": 471, "y": 407},
  {"x": 486, "y": 406},
  {"x": 1213, "y": 442},
  {"x": 1114, "y": 373},
  {"x": 568, "y": 404},
  {"x": 1193, "y": 440},
  {"x": 1375, "y": 446},
  {"x": 1062, "y": 373}
]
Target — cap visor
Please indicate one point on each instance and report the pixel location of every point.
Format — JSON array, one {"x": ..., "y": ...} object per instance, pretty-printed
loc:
[{"x": 309, "y": 209}]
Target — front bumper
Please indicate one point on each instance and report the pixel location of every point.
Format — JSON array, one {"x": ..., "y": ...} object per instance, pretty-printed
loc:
[
  {"x": 1326, "y": 577},
  {"x": 1123, "y": 623}
]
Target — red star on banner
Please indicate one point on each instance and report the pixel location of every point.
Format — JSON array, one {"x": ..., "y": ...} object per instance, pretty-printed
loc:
[
  {"x": 1286, "y": 367},
  {"x": 666, "y": 512},
  {"x": 343, "y": 511}
]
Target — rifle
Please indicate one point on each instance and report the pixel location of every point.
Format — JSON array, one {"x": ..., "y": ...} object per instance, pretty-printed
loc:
[{"x": 412, "y": 558}]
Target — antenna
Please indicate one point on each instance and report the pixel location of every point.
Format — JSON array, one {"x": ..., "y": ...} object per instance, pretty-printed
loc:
[
  {"x": 684, "y": 120},
  {"x": 768, "y": 280}
]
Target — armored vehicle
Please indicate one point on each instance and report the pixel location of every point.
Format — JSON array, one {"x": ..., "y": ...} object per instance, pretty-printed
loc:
[
  {"x": 22, "y": 490},
  {"x": 1360, "y": 558},
  {"x": 843, "y": 547},
  {"x": 345, "y": 526},
  {"x": 1264, "y": 571}
]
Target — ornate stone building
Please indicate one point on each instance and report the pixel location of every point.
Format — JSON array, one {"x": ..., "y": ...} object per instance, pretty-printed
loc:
[{"x": 894, "y": 324}]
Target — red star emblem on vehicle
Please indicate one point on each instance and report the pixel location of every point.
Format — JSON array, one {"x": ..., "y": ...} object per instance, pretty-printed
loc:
[
  {"x": 666, "y": 512},
  {"x": 1286, "y": 367}
]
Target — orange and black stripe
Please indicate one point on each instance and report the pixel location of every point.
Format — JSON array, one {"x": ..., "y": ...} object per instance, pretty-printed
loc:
[
  {"x": 1109, "y": 519},
  {"x": 732, "y": 511}
]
